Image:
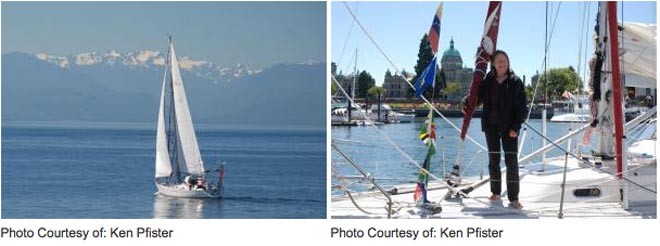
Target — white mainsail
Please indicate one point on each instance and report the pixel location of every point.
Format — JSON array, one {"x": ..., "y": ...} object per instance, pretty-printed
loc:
[
  {"x": 188, "y": 150},
  {"x": 163, "y": 164}
]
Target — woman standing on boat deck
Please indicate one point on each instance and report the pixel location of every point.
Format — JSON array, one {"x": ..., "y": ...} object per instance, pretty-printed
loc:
[{"x": 502, "y": 94}]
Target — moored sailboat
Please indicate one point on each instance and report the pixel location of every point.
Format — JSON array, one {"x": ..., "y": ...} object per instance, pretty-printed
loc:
[{"x": 568, "y": 186}]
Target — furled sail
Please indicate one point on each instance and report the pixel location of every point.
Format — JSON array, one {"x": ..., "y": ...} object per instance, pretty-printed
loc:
[
  {"x": 484, "y": 51},
  {"x": 188, "y": 150}
]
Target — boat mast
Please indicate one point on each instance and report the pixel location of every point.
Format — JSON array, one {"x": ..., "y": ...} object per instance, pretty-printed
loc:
[
  {"x": 172, "y": 146},
  {"x": 616, "y": 87},
  {"x": 544, "y": 113},
  {"x": 356, "y": 74},
  {"x": 617, "y": 102},
  {"x": 352, "y": 89}
]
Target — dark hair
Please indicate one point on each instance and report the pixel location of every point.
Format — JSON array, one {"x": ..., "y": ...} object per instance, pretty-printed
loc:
[{"x": 492, "y": 65}]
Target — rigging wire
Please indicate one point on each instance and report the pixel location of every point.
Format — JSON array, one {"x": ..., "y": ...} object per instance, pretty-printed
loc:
[
  {"x": 588, "y": 162},
  {"x": 398, "y": 71},
  {"x": 350, "y": 30},
  {"x": 547, "y": 44},
  {"x": 389, "y": 140}
]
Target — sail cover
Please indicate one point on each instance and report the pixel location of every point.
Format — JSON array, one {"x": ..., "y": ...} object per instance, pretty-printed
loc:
[{"x": 186, "y": 139}]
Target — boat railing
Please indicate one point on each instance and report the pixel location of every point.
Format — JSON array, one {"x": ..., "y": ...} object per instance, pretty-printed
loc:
[
  {"x": 366, "y": 176},
  {"x": 556, "y": 144},
  {"x": 588, "y": 162}
]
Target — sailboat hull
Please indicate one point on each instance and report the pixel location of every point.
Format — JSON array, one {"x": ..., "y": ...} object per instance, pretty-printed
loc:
[{"x": 182, "y": 190}]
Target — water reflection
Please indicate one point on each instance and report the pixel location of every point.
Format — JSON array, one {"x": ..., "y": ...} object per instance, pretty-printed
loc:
[{"x": 167, "y": 207}]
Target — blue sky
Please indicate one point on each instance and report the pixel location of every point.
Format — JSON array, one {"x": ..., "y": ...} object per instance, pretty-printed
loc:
[
  {"x": 226, "y": 33},
  {"x": 399, "y": 26}
]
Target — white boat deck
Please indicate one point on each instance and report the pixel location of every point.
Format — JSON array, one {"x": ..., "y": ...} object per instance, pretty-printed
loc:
[
  {"x": 480, "y": 207},
  {"x": 540, "y": 195}
]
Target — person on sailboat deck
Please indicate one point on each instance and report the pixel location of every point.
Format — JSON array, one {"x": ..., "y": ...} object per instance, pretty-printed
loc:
[
  {"x": 502, "y": 94},
  {"x": 649, "y": 101},
  {"x": 201, "y": 184},
  {"x": 190, "y": 181}
]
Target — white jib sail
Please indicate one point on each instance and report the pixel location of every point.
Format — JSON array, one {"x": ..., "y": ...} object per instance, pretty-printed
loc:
[
  {"x": 163, "y": 164},
  {"x": 185, "y": 132}
]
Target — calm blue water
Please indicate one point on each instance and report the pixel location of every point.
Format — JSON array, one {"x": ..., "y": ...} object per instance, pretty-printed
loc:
[
  {"x": 107, "y": 172},
  {"x": 372, "y": 151}
]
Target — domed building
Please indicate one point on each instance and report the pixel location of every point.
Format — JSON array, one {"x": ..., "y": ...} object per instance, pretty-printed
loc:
[
  {"x": 451, "y": 58},
  {"x": 452, "y": 66}
]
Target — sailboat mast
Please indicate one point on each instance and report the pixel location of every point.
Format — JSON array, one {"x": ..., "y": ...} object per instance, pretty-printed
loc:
[
  {"x": 352, "y": 88},
  {"x": 355, "y": 74},
  {"x": 616, "y": 87},
  {"x": 171, "y": 128}
]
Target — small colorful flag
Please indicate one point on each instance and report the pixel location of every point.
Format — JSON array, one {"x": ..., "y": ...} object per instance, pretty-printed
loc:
[
  {"x": 426, "y": 79},
  {"x": 420, "y": 194},
  {"x": 434, "y": 33},
  {"x": 427, "y": 135}
]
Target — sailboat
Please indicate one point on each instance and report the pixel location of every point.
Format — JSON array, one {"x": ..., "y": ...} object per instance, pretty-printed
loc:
[
  {"x": 617, "y": 183},
  {"x": 179, "y": 167}
]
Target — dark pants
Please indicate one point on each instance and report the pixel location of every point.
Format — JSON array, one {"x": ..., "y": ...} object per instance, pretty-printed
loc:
[{"x": 495, "y": 139}]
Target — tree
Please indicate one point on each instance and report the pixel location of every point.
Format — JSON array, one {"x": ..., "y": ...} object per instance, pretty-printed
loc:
[
  {"x": 529, "y": 91},
  {"x": 440, "y": 84},
  {"x": 424, "y": 57},
  {"x": 452, "y": 89},
  {"x": 375, "y": 91},
  {"x": 388, "y": 73},
  {"x": 364, "y": 82},
  {"x": 558, "y": 81}
]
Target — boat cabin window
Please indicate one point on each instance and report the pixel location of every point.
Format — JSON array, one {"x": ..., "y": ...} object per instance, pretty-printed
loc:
[{"x": 587, "y": 192}]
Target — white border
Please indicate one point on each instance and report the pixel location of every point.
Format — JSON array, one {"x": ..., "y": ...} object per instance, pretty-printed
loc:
[{"x": 315, "y": 231}]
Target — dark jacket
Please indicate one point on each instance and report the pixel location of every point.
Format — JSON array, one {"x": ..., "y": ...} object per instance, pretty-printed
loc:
[{"x": 513, "y": 103}]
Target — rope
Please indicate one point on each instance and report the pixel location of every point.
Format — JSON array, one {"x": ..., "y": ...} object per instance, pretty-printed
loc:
[{"x": 355, "y": 203}]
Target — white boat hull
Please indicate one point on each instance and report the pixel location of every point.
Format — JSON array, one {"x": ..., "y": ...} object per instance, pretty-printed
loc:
[
  {"x": 405, "y": 118},
  {"x": 571, "y": 118},
  {"x": 643, "y": 151},
  {"x": 540, "y": 194},
  {"x": 182, "y": 190}
]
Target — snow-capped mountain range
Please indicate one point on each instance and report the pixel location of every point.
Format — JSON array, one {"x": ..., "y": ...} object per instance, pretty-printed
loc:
[
  {"x": 149, "y": 59},
  {"x": 114, "y": 87}
]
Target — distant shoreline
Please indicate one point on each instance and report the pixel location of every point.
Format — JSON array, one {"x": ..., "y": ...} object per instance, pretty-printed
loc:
[{"x": 152, "y": 125}]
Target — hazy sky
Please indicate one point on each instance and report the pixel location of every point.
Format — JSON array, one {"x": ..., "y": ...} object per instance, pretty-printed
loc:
[
  {"x": 226, "y": 33},
  {"x": 399, "y": 26}
]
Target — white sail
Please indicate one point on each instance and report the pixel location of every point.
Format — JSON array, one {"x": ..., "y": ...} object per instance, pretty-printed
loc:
[
  {"x": 187, "y": 147},
  {"x": 180, "y": 158},
  {"x": 638, "y": 54},
  {"x": 163, "y": 164}
]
